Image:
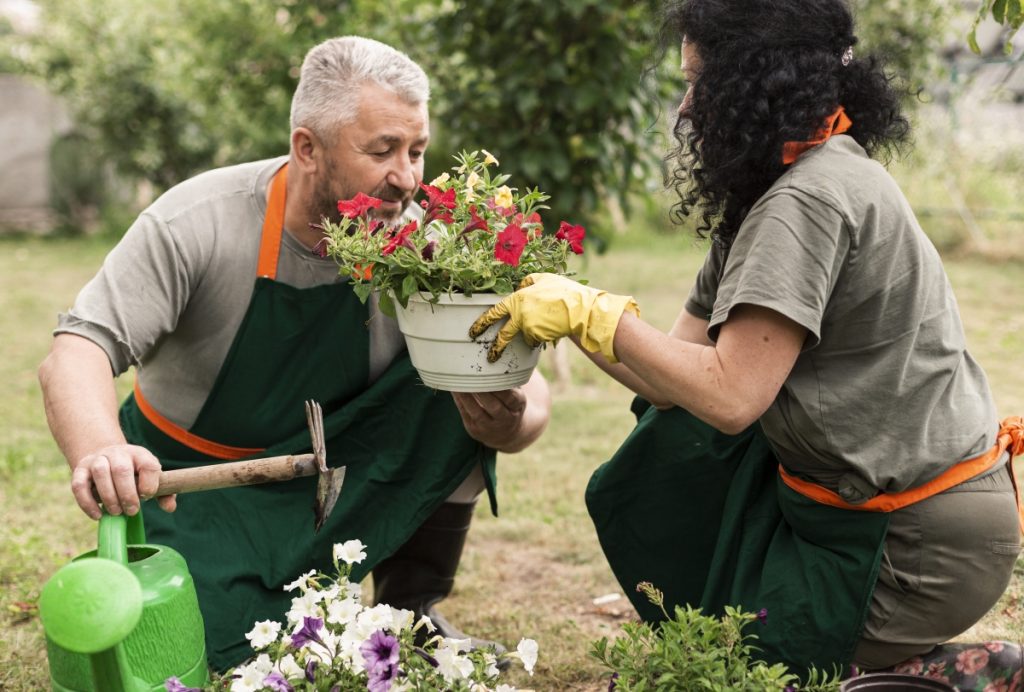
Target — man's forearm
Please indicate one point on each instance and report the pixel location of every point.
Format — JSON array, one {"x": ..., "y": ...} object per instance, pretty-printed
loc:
[{"x": 79, "y": 397}]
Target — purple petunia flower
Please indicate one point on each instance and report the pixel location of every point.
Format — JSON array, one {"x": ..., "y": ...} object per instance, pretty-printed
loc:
[
  {"x": 611, "y": 682},
  {"x": 380, "y": 678},
  {"x": 762, "y": 615},
  {"x": 309, "y": 632},
  {"x": 277, "y": 683},
  {"x": 379, "y": 651},
  {"x": 173, "y": 684},
  {"x": 311, "y": 670}
]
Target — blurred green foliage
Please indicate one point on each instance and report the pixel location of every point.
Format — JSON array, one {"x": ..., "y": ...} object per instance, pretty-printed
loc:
[
  {"x": 1009, "y": 13},
  {"x": 572, "y": 96}
]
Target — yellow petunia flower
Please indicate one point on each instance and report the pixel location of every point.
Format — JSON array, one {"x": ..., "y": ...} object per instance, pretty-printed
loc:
[
  {"x": 472, "y": 180},
  {"x": 440, "y": 180},
  {"x": 503, "y": 197},
  {"x": 489, "y": 158}
]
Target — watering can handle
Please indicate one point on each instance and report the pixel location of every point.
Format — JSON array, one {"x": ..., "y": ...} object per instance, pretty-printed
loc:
[{"x": 116, "y": 533}]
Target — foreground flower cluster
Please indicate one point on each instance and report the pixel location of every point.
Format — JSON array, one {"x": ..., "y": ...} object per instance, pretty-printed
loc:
[
  {"x": 333, "y": 643},
  {"x": 477, "y": 235}
]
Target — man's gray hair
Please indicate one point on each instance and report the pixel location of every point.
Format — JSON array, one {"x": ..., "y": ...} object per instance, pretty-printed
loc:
[{"x": 333, "y": 72}]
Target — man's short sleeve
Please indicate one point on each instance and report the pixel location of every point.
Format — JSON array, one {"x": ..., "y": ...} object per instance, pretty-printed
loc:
[
  {"x": 137, "y": 295},
  {"x": 786, "y": 257}
]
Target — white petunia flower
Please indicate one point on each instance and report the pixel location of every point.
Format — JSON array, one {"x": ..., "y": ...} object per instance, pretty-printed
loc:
[
  {"x": 263, "y": 664},
  {"x": 425, "y": 621},
  {"x": 263, "y": 634},
  {"x": 300, "y": 583},
  {"x": 326, "y": 651},
  {"x": 460, "y": 645},
  {"x": 491, "y": 669},
  {"x": 328, "y": 595},
  {"x": 343, "y": 612},
  {"x": 401, "y": 619},
  {"x": 373, "y": 619},
  {"x": 289, "y": 668},
  {"x": 249, "y": 679},
  {"x": 350, "y": 552},
  {"x": 305, "y": 606},
  {"x": 527, "y": 650},
  {"x": 348, "y": 648},
  {"x": 450, "y": 664}
]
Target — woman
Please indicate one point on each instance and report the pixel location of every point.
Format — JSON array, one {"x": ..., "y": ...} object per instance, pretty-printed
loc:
[{"x": 823, "y": 313}]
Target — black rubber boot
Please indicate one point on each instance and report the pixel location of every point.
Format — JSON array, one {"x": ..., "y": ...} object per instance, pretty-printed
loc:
[{"x": 422, "y": 572}]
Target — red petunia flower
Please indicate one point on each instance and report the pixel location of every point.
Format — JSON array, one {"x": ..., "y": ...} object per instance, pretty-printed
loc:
[
  {"x": 401, "y": 238},
  {"x": 476, "y": 222},
  {"x": 572, "y": 235},
  {"x": 358, "y": 205},
  {"x": 438, "y": 204},
  {"x": 509, "y": 247},
  {"x": 531, "y": 224}
]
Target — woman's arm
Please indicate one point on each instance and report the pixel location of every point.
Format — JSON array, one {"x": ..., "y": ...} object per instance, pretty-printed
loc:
[{"x": 728, "y": 385}]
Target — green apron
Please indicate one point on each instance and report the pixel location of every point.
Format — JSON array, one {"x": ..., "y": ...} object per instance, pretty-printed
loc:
[
  {"x": 404, "y": 444},
  {"x": 704, "y": 517}
]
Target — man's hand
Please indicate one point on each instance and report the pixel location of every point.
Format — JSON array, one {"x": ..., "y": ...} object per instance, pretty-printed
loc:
[
  {"x": 493, "y": 418},
  {"x": 510, "y": 420},
  {"x": 119, "y": 476}
]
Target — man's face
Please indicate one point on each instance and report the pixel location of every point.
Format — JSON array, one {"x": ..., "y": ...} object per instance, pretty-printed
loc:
[{"x": 379, "y": 154}]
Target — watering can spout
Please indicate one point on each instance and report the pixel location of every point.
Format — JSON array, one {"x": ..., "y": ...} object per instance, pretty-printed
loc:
[{"x": 123, "y": 618}]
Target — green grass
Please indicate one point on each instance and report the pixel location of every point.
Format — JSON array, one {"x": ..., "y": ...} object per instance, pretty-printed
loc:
[{"x": 532, "y": 572}]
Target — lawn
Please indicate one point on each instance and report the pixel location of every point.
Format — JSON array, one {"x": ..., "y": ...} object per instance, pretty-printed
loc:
[{"x": 535, "y": 570}]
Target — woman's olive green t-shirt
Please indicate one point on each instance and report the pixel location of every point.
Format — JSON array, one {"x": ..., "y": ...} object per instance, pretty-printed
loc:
[{"x": 884, "y": 395}]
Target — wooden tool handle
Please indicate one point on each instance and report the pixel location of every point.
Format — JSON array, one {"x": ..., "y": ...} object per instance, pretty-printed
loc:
[{"x": 236, "y": 473}]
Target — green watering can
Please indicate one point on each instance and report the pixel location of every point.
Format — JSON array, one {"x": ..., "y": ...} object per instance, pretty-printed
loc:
[{"x": 124, "y": 617}]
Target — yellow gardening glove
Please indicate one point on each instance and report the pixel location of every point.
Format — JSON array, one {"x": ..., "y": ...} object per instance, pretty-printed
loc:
[{"x": 548, "y": 306}]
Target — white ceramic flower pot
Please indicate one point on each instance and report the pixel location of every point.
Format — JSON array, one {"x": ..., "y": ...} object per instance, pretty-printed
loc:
[{"x": 437, "y": 336}]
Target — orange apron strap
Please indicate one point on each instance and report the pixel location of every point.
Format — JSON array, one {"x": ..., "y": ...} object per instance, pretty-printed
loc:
[
  {"x": 835, "y": 124},
  {"x": 1011, "y": 437},
  {"x": 1013, "y": 430},
  {"x": 273, "y": 225},
  {"x": 179, "y": 434}
]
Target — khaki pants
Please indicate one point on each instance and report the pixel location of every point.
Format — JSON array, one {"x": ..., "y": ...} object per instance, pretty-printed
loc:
[{"x": 947, "y": 560}]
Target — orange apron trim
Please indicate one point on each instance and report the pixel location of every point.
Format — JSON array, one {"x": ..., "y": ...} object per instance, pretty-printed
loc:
[
  {"x": 179, "y": 434},
  {"x": 1011, "y": 438},
  {"x": 273, "y": 225},
  {"x": 266, "y": 267},
  {"x": 835, "y": 124}
]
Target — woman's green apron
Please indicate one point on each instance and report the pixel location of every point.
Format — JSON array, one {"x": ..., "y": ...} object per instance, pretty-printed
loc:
[
  {"x": 704, "y": 518},
  {"x": 404, "y": 445}
]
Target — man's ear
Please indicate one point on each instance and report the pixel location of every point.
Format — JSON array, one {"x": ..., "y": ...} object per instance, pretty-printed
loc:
[{"x": 306, "y": 149}]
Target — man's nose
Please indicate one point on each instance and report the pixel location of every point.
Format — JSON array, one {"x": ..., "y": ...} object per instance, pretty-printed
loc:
[{"x": 402, "y": 174}]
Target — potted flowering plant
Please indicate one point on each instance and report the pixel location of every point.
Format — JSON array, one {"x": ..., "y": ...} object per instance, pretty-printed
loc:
[
  {"x": 477, "y": 240},
  {"x": 333, "y": 643}
]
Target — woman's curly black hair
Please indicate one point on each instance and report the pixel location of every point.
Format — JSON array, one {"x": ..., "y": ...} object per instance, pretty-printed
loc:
[{"x": 771, "y": 72}]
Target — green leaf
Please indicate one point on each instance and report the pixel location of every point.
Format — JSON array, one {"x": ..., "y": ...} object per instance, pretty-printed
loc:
[
  {"x": 999, "y": 11},
  {"x": 386, "y": 304},
  {"x": 362, "y": 290},
  {"x": 409, "y": 286}
]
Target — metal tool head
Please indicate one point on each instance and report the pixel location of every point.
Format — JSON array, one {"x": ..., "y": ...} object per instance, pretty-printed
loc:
[{"x": 329, "y": 481}]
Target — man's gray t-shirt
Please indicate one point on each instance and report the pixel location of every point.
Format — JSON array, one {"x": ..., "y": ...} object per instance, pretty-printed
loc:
[
  {"x": 884, "y": 395},
  {"x": 171, "y": 295}
]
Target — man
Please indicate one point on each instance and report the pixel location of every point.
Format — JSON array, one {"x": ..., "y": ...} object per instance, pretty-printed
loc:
[{"x": 231, "y": 328}]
